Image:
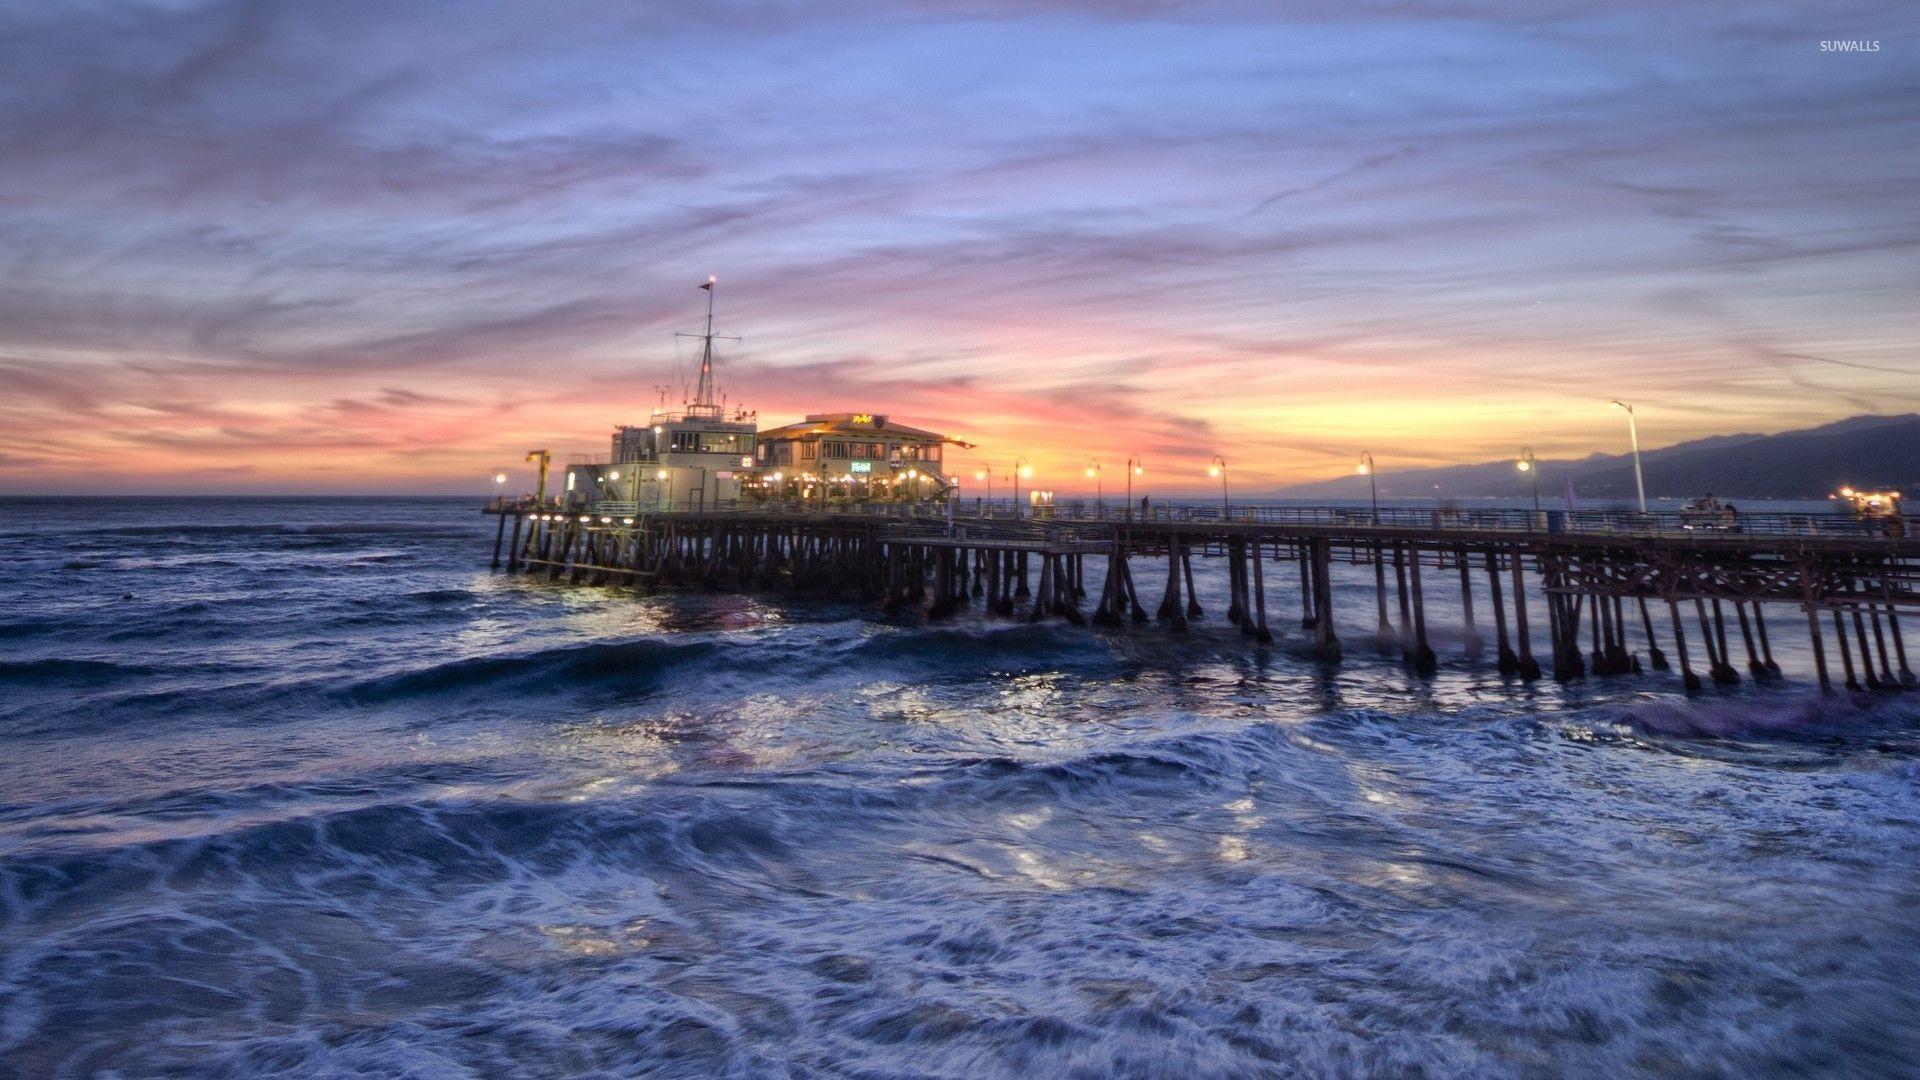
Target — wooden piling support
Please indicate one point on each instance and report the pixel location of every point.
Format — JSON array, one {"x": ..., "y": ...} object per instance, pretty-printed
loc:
[
  {"x": 1893, "y": 631},
  {"x": 1529, "y": 666},
  {"x": 1136, "y": 611},
  {"x": 1260, "y": 631},
  {"x": 1727, "y": 673},
  {"x": 1306, "y": 587},
  {"x": 1687, "y": 677},
  {"x": 1474, "y": 646},
  {"x": 1654, "y": 656},
  {"x": 1406, "y": 606},
  {"x": 1326, "y": 644},
  {"x": 1423, "y": 658},
  {"x": 513, "y": 546},
  {"x": 1380, "y": 589},
  {"x": 1860, "y": 630},
  {"x": 1504, "y": 657},
  {"x": 1171, "y": 608},
  {"x": 1755, "y": 667},
  {"x": 1813, "y": 636},
  {"x": 1044, "y": 599},
  {"x": 1846, "y": 654},
  {"x": 1717, "y": 667},
  {"x": 1186, "y": 569}
]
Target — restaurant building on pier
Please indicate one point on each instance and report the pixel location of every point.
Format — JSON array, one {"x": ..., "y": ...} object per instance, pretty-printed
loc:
[{"x": 850, "y": 458}]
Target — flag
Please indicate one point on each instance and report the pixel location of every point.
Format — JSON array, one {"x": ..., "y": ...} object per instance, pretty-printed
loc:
[{"x": 707, "y": 284}]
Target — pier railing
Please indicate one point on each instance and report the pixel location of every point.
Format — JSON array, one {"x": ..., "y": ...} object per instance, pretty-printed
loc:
[
  {"x": 1617, "y": 522},
  {"x": 1672, "y": 523}
]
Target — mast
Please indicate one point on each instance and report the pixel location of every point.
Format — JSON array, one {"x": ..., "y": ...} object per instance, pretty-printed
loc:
[{"x": 703, "y": 396}]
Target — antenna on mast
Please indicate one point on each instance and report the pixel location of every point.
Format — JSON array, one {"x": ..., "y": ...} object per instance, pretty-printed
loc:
[{"x": 703, "y": 405}]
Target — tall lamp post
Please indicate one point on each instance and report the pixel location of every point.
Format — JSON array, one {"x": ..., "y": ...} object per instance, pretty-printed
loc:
[
  {"x": 1021, "y": 471},
  {"x": 1365, "y": 468},
  {"x": 544, "y": 458},
  {"x": 987, "y": 475},
  {"x": 1219, "y": 469},
  {"x": 1633, "y": 432},
  {"x": 1528, "y": 465},
  {"x": 1099, "y": 494},
  {"x": 1134, "y": 468}
]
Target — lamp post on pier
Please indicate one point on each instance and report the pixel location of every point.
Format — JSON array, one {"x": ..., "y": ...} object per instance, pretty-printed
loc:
[
  {"x": 1633, "y": 432},
  {"x": 1527, "y": 464},
  {"x": 1365, "y": 468},
  {"x": 1219, "y": 469},
  {"x": 1021, "y": 471},
  {"x": 987, "y": 475},
  {"x": 1099, "y": 494},
  {"x": 1134, "y": 468}
]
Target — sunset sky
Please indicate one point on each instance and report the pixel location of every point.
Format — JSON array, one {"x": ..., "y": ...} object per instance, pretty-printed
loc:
[{"x": 387, "y": 247}]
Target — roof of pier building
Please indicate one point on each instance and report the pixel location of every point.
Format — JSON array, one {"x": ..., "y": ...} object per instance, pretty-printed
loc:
[{"x": 818, "y": 425}]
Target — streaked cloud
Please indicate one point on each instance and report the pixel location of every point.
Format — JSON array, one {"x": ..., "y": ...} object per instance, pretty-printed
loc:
[{"x": 260, "y": 244}]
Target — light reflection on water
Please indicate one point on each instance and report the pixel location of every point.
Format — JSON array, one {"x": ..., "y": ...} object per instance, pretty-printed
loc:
[{"x": 339, "y": 801}]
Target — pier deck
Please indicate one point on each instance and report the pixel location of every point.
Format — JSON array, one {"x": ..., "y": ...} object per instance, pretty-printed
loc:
[{"x": 1603, "y": 576}]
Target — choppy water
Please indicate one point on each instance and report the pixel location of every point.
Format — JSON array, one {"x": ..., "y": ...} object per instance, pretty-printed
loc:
[{"x": 297, "y": 787}]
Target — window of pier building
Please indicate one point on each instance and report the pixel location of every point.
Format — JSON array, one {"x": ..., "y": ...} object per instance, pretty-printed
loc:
[{"x": 712, "y": 442}]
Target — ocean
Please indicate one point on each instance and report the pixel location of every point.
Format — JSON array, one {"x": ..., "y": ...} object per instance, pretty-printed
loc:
[{"x": 296, "y": 787}]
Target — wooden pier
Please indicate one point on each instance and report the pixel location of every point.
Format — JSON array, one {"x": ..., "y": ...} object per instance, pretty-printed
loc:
[{"x": 1613, "y": 586}]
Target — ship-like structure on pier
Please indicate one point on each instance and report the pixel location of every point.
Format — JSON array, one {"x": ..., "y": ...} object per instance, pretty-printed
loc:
[{"x": 703, "y": 457}]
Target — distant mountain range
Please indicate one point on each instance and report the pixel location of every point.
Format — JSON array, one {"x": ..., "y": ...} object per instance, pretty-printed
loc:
[{"x": 1864, "y": 452}]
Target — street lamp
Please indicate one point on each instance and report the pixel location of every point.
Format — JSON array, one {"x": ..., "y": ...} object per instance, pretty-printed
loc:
[
  {"x": 1365, "y": 468},
  {"x": 1099, "y": 495},
  {"x": 1134, "y": 468},
  {"x": 987, "y": 475},
  {"x": 1527, "y": 464},
  {"x": 1633, "y": 432},
  {"x": 1219, "y": 469},
  {"x": 1021, "y": 471}
]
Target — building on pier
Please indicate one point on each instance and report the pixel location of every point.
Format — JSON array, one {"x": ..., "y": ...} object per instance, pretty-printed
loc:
[
  {"x": 695, "y": 459},
  {"x": 850, "y": 458},
  {"x": 703, "y": 458},
  {"x": 679, "y": 460}
]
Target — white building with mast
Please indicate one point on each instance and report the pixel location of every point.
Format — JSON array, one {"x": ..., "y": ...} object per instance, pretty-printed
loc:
[{"x": 694, "y": 459}]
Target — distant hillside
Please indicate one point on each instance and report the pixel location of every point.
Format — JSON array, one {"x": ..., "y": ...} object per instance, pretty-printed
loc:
[{"x": 1865, "y": 452}]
